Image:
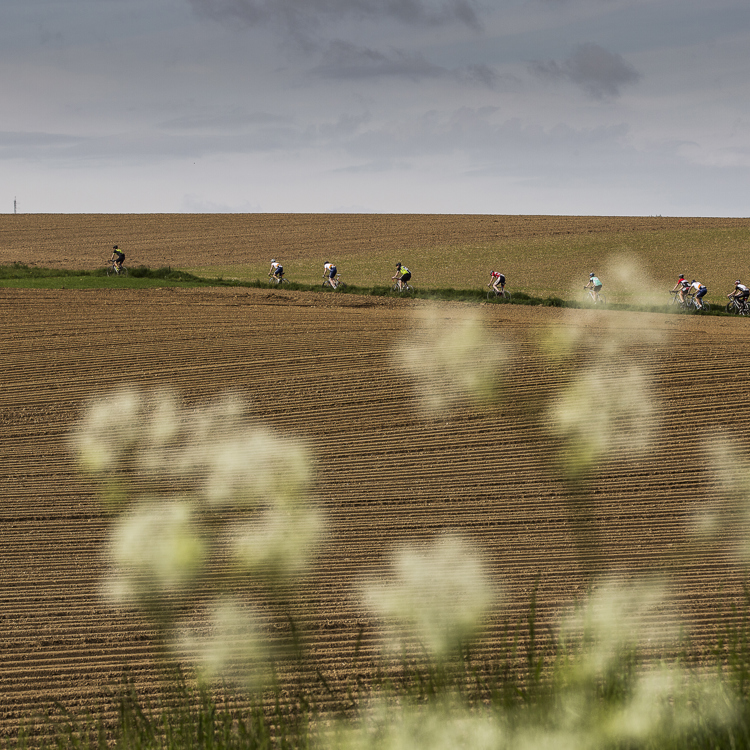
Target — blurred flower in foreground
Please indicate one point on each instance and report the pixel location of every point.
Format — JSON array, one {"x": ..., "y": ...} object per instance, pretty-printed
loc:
[
  {"x": 453, "y": 356},
  {"x": 437, "y": 726},
  {"x": 156, "y": 550},
  {"x": 109, "y": 429},
  {"x": 207, "y": 497},
  {"x": 605, "y": 409},
  {"x": 614, "y": 622},
  {"x": 609, "y": 692},
  {"x": 440, "y": 595},
  {"x": 234, "y": 647},
  {"x": 725, "y": 519}
]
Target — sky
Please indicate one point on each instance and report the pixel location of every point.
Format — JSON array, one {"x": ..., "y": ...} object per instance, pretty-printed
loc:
[{"x": 566, "y": 107}]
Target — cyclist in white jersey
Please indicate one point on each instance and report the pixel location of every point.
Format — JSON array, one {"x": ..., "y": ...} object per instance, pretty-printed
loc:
[
  {"x": 329, "y": 272},
  {"x": 700, "y": 293},
  {"x": 277, "y": 270},
  {"x": 681, "y": 287},
  {"x": 740, "y": 292}
]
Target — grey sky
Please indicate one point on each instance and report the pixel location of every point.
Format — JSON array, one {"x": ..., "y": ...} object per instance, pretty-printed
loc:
[{"x": 444, "y": 106}]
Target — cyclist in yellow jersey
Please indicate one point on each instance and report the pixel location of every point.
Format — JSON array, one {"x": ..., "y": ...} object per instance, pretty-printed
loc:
[
  {"x": 403, "y": 274},
  {"x": 118, "y": 257}
]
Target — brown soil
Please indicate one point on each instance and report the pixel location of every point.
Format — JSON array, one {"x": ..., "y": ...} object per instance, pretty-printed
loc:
[{"x": 320, "y": 367}]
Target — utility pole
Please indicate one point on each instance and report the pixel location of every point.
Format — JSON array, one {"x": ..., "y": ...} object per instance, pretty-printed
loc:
[{"x": 15, "y": 206}]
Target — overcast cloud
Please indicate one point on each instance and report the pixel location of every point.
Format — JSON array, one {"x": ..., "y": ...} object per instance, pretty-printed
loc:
[{"x": 436, "y": 106}]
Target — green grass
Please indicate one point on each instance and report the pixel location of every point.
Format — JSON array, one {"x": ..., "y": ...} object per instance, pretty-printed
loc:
[
  {"x": 19, "y": 276},
  {"x": 631, "y": 264}
]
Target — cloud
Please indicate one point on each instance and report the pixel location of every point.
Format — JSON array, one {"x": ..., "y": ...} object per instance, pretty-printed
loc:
[
  {"x": 220, "y": 121},
  {"x": 342, "y": 60},
  {"x": 34, "y": 145},
  {"x": 346, "y": 60},
  {"x": 300, "y": 16},
  {"x": 599, "y": 72}
]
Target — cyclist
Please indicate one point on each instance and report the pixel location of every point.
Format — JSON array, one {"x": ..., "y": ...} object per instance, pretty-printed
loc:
[
  {"x": 595, "y": 286},
  {"x": 497, "y": 279},
  {"x": 700, "y": 292},
  {"x": 681, "y": 287},
  {"x": 403, "y": 274},
  {"x": 329, "y": 273},
  {"x": 740, "y": 293},
  {"x": 277, "y": 270},
  {"x": 118, "y": 257}
]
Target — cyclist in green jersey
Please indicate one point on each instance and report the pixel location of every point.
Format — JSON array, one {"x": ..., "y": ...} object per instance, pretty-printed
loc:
[
  {"x": 118, "y": 257},
  {"x": 403, "y": 274},
  {"x": 594, "y": 286}
]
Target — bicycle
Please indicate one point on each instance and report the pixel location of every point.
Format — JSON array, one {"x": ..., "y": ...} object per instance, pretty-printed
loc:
[
  {"x": 278, "y": 280},
  {"x": 502, "y": 293},
  {"x": 334, "y": 283},
  {"x": 596, "y": 297},
  {"x": 114, "y": 270},
  {"x": 691, "y": 303},
  {"x": 403, "y": 288},
  {"x": 676, "y": 299},
  {"x": 737, "y": 306}
]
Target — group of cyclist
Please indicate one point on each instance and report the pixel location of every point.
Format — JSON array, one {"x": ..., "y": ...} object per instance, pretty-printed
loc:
[
  {"x": 740, "y": 294},
  {"x": 403, "y": 274},
  {"x": 683, "y": 287}
]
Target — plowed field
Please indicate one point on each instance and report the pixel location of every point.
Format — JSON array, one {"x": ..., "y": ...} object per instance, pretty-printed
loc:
[{"x": 321, "y": 367}]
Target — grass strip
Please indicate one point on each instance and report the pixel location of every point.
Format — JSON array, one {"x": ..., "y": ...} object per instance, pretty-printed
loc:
[{"x": 20, "y": 276}]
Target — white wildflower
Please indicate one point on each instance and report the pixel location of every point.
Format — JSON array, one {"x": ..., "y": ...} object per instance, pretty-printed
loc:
[
  {"x": 233, "y": 647},
  {"x": 156, "y": 549},
  {"x": 452, "y": 356},
  {"x": 442, "y": 594}
]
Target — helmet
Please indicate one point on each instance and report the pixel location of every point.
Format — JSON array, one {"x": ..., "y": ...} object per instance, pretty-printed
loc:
[
  {"x": 398, "y": 265},
  {"x": 737, "y": 282},
  {"x": 115, "y": 247},
  {"x": 273, "y": 260},
  {"x": 591, "y": 274},
  {"x": 682, "y": 275}
]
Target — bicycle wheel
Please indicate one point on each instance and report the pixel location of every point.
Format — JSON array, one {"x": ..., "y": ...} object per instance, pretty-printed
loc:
[
  {"x": 732, "y": 308},
  {"x": 602, "y": 300},
  {"x": 507, "y": 295},
  {"x": 706, "y": 307}
]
